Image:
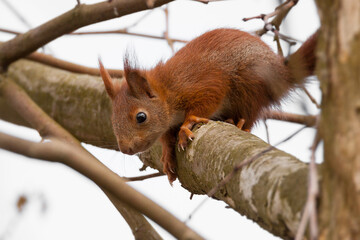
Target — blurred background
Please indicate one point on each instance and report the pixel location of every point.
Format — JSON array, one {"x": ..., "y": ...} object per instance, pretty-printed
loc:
[{"x": 41, "y": 200}]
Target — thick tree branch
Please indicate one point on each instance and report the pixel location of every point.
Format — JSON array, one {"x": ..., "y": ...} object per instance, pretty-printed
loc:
[
  {"x": 271, "y": 190},
  {"x": 57, "y": 93},
  {"x": 82, "y": 15},
  {"x": 47, "y": 127},
  {"x": 58, "y": 151},
  {"x": 17, "y": 99}
]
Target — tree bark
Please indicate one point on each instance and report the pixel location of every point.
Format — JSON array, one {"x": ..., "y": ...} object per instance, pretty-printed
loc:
[
  {"x": 339, "y": 73},
  {"x": 271, "y": 190},
  {"x": 48, "y": 128}
]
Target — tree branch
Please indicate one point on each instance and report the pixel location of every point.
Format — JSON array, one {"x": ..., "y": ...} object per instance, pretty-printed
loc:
[
  {"x": 307, "y": 120},
  {"x": 47, "y": 127},
  {"x": 280, "y": 13},
  {"x": 58, "y": 151},
  {"x": 69, "y": 66},
  {"x": 272, "y": 190},
  {"x": 119, "y": 31},
  {"x": 82, "y": 15}
]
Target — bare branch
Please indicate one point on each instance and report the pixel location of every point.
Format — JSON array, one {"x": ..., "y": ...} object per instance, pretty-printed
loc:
[
  {"x": 72, "y": 156},
  {"x": 9, "y": 31},
  {"x": 312, "y": 99},
  {"x": 80, "y": 16},
  {"x": 280, "y": 13},
  {"x": 307, "y": 120},
  {"x": 119, "y": 31},
  {"x": 72, "y": 67},
  {"x": 140, "y": 178},
  {"x": 310, "y": 208},
  {"x": 267, "y": 131},
  {"x": 126, "y": 32},
  {"x": 47, "y": 127}
]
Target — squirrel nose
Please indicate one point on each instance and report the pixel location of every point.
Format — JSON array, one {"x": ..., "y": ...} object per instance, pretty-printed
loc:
[{"x": 127, "y": 150}]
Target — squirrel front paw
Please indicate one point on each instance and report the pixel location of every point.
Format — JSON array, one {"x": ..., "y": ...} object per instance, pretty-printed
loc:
[
  {"x": 185, "y": 132},
  {"x": 184, "y": 135}
]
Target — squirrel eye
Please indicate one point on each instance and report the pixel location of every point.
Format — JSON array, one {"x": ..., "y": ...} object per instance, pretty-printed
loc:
[{"x": 140, "y": 117}]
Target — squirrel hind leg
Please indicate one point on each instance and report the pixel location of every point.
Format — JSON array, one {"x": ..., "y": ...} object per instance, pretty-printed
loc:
[
  {"x": 168, "y": 141},
  {"x": 239, "y": 124},
  {"x": 185, "y": 132}
]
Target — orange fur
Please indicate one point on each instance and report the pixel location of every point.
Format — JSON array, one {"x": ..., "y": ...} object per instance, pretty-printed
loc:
[{"x": 224, "y": 74}]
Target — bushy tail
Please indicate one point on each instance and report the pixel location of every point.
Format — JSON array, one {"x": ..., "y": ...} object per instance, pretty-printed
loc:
[{"x": 302, "y": 63}]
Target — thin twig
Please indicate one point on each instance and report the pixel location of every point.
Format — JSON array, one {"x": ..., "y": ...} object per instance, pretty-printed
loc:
[
  {"x": 119, "y": 31},
  {"x": 303, "y": 223},
  {"x": 278, "y": 45},
  {"x": 9, "y": 31},
  {"x": 267, "y": 131},
  {"x": 166, "y": 33},
  {"x": 124, "y": 31},
  {"x": 310, "y": 208},
  {"x": 307, "y": 120},
  {"x": 279, "y": 13},
  {"x": 140, "y": 178},
  {"x": 285, "y": 38},
  {"x": 312, "y": 99},
  {"x": 68, "y": 66},
  {"x": 238, "y": 167},
  {"x": 313, "y": 194}
]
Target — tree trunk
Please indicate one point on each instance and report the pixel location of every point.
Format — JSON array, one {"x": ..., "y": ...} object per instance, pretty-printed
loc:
[{"x": 339, "y": 73}]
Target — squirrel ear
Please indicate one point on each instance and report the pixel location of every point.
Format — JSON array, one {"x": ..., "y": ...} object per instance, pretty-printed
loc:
[
  {"x": 138, "y": 85},
  {"x": 110, "y": 87}
]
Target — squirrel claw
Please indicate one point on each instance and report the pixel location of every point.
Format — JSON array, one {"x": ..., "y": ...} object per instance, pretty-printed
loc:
[
  {"x": 172, "y": 169},
  {"x": 182, "y": 147},
  {"x": 169, "y": 168}
]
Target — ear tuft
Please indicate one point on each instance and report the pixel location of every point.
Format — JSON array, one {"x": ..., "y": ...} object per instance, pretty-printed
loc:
[
  {"x": 108, "y": 82},
  {"x": 135, "y": 79}
]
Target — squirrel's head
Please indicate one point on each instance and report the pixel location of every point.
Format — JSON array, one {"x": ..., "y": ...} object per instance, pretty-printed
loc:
[{"x": 139, "y": 116}]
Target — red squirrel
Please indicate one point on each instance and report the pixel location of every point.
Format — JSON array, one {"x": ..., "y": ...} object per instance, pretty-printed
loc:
[{"x": 224, "y": 74}]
